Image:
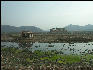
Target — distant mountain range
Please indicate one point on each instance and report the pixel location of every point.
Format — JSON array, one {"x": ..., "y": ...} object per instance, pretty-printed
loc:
[
  {"x": 8, "y": 28},
  {"x": 71, "y": 27}
]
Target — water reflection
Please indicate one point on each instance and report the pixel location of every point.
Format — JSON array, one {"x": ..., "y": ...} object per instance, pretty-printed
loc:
[{"x": 66, "y": 48}]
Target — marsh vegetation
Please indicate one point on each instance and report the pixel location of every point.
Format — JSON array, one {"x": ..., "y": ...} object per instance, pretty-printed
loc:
[{"x": 23, "y": 59}]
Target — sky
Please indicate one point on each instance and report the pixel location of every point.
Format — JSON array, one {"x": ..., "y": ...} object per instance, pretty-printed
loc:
[{"x": 46, "y": 14}]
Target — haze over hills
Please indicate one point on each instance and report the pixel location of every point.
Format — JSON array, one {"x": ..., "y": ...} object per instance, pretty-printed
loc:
[
  {"x": 8, "y": 28},
  {"x": 71, "y": 27}
]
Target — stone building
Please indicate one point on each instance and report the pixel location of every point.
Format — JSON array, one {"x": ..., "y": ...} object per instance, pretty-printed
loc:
[
  {"x": 58, "y": 30},
  {"x": 26, "y": 34}
]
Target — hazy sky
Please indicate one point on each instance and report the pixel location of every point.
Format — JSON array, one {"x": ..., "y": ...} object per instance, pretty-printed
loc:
[{"x": 46, "y": 14}]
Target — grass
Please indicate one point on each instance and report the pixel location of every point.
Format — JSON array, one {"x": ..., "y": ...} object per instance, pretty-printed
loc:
[{"x": 26, "y": 57}]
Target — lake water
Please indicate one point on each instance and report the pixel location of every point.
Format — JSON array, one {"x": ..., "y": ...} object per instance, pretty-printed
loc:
[{"x": 66, "y": 48}]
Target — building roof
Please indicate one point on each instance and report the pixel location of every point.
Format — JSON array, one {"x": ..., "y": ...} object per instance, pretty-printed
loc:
[{"x": 26, "y": 32}]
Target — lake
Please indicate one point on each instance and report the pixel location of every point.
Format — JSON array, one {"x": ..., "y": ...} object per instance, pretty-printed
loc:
[{"x": 64, "y": 48}]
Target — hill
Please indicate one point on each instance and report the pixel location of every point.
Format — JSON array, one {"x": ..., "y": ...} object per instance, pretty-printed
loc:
[
  {"x": 79, "y": 28},
  {"x": 8, "y": 29}
]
